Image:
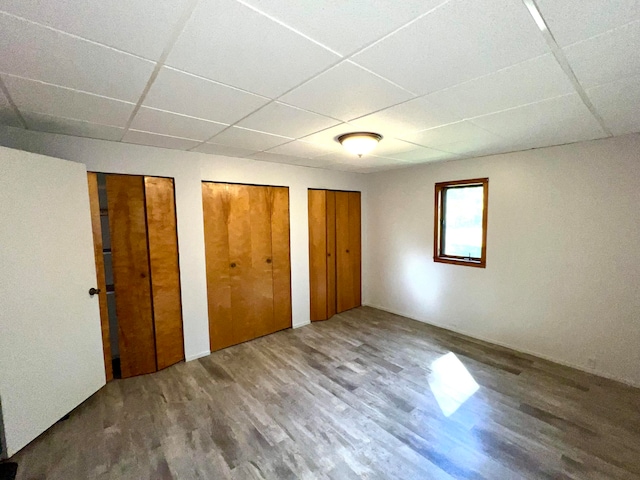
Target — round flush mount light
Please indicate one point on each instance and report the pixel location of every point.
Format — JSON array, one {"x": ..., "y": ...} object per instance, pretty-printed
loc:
[{"x": 359, "y": 143}]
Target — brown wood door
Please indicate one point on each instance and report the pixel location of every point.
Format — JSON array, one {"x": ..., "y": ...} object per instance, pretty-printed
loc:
[
  {"x": 96, "y": 225},
  {"x": 248, "y": 261},
  {"x": 131, "y": 272},
  {"x": 344, "y": 273},
  {"x": 216, "y": 203},
  {"x": 331, "y": 254},
  {"x": 348, "y": 248},
  {"x": 318, "y": 237},
  {"x": 251, "y": 249},
  {"x": 281, "y": 257},
  {"x": 355, "y": 247},
  {"x": 165, "y": 271}
]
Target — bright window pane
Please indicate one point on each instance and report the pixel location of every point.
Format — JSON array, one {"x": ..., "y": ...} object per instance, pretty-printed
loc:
[{"x": 463, "y": 221}]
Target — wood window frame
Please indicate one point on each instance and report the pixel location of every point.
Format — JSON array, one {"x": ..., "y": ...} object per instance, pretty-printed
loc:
[{"x": 438, "y": 227}]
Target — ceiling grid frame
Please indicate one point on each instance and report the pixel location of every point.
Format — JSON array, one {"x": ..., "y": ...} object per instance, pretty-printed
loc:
[
  {"x": 560, "y": 57},
  {"x": 531, "y": 6}
]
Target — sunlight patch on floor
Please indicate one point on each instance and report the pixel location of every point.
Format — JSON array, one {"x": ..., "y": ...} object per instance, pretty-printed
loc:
[{"x": 451, "y": 383}]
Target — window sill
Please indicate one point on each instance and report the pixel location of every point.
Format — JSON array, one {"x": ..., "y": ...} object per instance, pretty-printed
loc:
[{"x": 459, "y": 261}]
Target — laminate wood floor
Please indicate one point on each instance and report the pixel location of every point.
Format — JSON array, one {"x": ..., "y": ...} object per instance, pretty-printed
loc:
[{"x": 365, "y": 395}]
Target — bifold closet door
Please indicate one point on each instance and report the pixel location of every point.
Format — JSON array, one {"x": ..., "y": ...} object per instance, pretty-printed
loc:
[
  {"x": 318, "y": 279},
  {"x": 331, "y": 254},
  {"x": 281, "y": 257},
  {"x": 94, "y": 204},
  {"x": 132, "y": 285},
  {"x": 348, "y": 250},
  {"x": 164, "y": 269},
  {"x": 248, "y": 266}
]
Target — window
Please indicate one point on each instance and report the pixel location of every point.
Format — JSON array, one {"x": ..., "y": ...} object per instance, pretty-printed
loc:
[{"x": 460, "y": 226}]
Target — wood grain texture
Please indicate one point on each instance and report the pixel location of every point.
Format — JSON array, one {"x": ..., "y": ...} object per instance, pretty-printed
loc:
[
  {"x": 257, "y": 277},
  {"x": 355, "y": 247},
  {"x": 331, "y": 254},
  {"x": 130, "y": 257},
  {"x": 281, "y": 256},
  {"x": 318, "y": 280},
  {"x": 350, "y": 398},
  {"x": 216, "y": 207},
  {"x": 345, "y": 297},
  {"x": 96, "y": 226},
  {"x": 165, "y": 270},
  {"x": 248, "y": 261}
]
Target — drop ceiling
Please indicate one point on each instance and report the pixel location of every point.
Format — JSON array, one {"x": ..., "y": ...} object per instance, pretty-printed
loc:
[{"x": 278, "y": 81}]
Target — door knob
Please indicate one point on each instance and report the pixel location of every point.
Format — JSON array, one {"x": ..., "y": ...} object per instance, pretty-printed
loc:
[
  {"x": 94, "y": 291},
  {"x": 233, "y": 265},
  {"x": 268, "y": 260},
  {"x": 347, "y": 251}
]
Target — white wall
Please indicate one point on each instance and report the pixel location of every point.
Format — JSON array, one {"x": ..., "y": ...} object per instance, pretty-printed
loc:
[
  {"x": 189, "y": 169},
  {"x": 563, "y": 253}
]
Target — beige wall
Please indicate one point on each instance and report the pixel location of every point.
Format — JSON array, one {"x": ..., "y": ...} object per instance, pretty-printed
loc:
[{"x": 563, "y": 253}]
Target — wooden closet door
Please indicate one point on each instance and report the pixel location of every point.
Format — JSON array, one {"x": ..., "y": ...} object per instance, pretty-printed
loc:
[
  {"x": 165, "y": 271},
  {"x": 216, "y": 205},
  {"x": 255, "y": 265},
  {"x": 355, "y": 247},
  {"x": 344, "y": 270},
  {"x": 281, "y": 257},
  {"x": 129, "y": 250},
  {"x": 331, "y": 254},
  {"x": 318, "y": 280},
  {"x": 96, "y": 226}
]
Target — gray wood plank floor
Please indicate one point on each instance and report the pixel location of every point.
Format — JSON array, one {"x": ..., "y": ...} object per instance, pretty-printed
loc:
[{"x": 366, "y": 395}]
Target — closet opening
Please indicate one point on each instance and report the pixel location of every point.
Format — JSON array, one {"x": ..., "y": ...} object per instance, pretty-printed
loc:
[
  {"x": 108, "y": 275},
  {"x": 138, "y": 276}
]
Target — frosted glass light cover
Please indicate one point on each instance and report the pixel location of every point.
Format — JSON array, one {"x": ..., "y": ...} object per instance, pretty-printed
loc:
[{"x": 359, "y": 143}]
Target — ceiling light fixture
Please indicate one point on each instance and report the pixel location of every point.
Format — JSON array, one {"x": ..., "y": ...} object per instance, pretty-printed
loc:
[{"x": 359, "y": 143}]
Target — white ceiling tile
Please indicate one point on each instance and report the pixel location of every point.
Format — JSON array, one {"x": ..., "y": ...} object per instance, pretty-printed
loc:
[
  {"x": 551, "y": 122},
  {"x": 317, "y": 162},
  {"x": 352, "y": 162},
  {"x": 39, "y": 53},
  {"x": 459, "y": 41},
  {"x": 607, "y": 57},
  {"x": 347, "y": 158},
  {"x": 527, "y": 82},
  {"x": 299, "y": 148},
  {"x": 7, "y": 114},
  {"x": 40, "y": 97},
  {"x": 571, "y": 21},
  {"x": 273, "y": 157},
  {"x": 345, "y": 26},
  {"x": 155, "y": 140},
  {"x": 233, "y": 44},
  {"x": 341, "y": 167},
  {"x": 412, "y": 116},
  {"x": 345, "y": 92},
  {"x": 478, "y": 146},
  {"x": 176, "y": 125},
  {"x": 422, "y": 154},
  {"x": 389, "y": 145},
  {"x": 618, "y": 104},
  {"x": 448, "y": 134},
  {"x": 180, "y": 92},
  {"x": 142, "y": 27},
  {"x": 216, "y": 149},
  {"x": 248, "y": 139},
  {"x": 66, "y": 126},
  {"x": 285, "y": 120}
]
